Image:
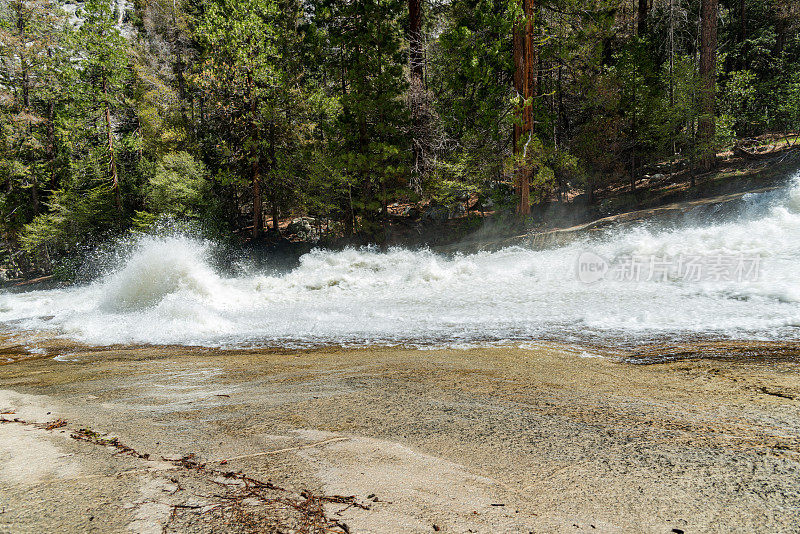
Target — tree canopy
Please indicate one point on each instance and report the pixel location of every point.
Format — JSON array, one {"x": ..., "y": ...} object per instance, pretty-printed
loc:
[{"x": 242, "y": 114}]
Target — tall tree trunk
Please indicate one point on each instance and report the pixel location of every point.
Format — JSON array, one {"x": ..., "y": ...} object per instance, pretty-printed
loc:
[
  {"x": 563, "y": 119},
  {"x": 51, "y": 134},
  {"x": 258, "y": 221},
  {"x": 742, "y": 21},
  {"x": 641, "y": 18},
  {"x": 781, "y": 29},
  {"x": 273, "y": 162},
  {"x": 672, "y": 54},
  {"x": 23, "y": 61},
  {"x": 529, "y": 85},
  {"x": 179, "y": 68},
  {"x": 51, "y": 143},
  {"x": 274, "y": 201},
  {"x": 35, "y": 195},
  {"x": 350, "y": 215},
  {"x": 258, "y": 217},
  {"x": 708, "y": 77},
  {"x": 415, "y": 41},
  {"x": 366, "y": 178},
  {"x": 524, "y": 84},
  {"x": 26, "y": 84},
  {"x": 111, "y": 152},
  {"x": 519, "y": 75},
  {"x": 634, "y": 138},
  {"x": 34, "y": 183},
  {"x": 417, "y": 93},
  {"x": 363, "y": 142},
  {"x": 607, "y": 52},
  {"x": 26, "y": 99}
]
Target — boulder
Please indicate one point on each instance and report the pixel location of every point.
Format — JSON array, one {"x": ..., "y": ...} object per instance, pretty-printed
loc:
[
  {"x": 436, "y": 214},
  {"x": 305, "y": 228},
  {"x": 458, "y": 210},
  {"x": 410, "y": 212},
  {"x": 462, "y": 196}
]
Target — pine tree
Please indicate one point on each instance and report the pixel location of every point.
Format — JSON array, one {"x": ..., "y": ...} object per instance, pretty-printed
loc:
[
  {"x": 104, "y": 73},
  {"x": 525, "y": 85},
  {"x": 367, "y": 37},
  {"x": 251, "y": 75},
  {"x": 708, "y": 75},
  {"x": 31, "y": 52}
]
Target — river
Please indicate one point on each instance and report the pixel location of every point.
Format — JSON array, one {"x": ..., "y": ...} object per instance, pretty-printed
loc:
[{"x": 728, "y": 277}]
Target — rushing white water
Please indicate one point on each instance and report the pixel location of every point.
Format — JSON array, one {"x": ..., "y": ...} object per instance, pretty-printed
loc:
[{"x": 167, "y": 292}]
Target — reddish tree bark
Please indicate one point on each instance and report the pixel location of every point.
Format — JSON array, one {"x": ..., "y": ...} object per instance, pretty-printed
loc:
[
  {"x": 525, "y": 86},
  {"x": 708, "y": 77}
]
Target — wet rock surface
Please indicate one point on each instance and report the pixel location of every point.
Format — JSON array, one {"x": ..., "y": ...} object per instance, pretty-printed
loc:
[{"x": 565, "y": 443}]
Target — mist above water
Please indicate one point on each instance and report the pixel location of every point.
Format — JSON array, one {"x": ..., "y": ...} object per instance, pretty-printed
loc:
[{"x": 166, "y": 291}]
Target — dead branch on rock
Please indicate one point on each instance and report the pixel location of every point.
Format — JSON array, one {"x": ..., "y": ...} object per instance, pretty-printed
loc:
[
  {"x": 85, "y": 434},
  {"x": 58, "y": 423},
  {"x": 245, "y": 505}
]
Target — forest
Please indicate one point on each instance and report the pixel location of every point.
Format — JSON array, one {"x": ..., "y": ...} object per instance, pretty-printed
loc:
[{"x": 238, "y": 117}]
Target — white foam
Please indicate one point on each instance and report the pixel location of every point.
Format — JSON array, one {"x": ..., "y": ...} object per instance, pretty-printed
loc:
[{"x": 168, "y": 292}]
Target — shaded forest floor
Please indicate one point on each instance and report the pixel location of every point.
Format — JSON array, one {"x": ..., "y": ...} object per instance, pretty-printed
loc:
[{"x": 761, "y": 163}]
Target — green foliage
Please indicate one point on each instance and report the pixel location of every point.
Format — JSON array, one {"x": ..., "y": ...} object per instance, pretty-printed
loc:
[
  {"x": 73, "y": 218},
  {"x": 759, "y": 64},
  {"x": 367, "y": 141},
  {"x": 472, "y": 69},
  {"x": 178, "y": 185},
  {"x": 194, "y": 110},
  {"x": 790, "y": 106},
  {"x": 450, "y": 193},
  {"x": 739, "y": 98}
]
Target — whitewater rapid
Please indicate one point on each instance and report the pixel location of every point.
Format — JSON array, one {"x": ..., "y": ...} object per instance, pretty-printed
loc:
[{"x": 166, "y": 291}]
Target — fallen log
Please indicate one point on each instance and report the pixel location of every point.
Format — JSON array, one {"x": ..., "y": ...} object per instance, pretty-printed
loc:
[{"x": 755, "y": 156}]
